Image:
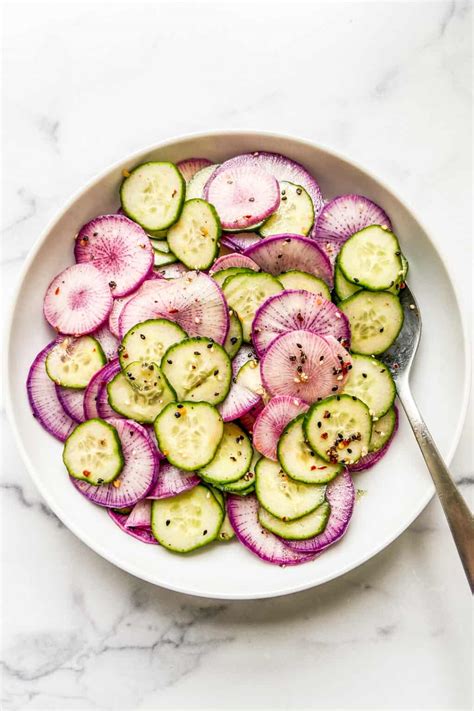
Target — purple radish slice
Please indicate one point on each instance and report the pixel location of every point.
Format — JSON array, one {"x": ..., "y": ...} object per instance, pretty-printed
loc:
[
  {"x": 140, "y": 515},
  {"x": 239, "y": 241},
  {"x": 285, "y": 253},
  {"x": 345, "y": 215},
  {"x": 341, "y": 354},
  {"x": 172, "y": 481},
  {"x": 242, "y": 194},
  {"x": 249, "y": 418},
  {"x": 72, "y": 401},
  {"x": 78, "y": 300},
  {"x": 44, "y": 401},
  {"x": 301, "y": 364},
  {"x": 92, "y": 392},
  {"x": 141, "y": 534},
  {"x": 108, "y": 341},
  {"x": 243, "y": 516},
  {"x": 295, "y": 310},
  {"x": 239, "y": 401},
  {"x": 233, "y": 260},
  {"x": 119, "y": 304},
  {"x": 138, "y": 474},
  {"x": 271, "y": 422},
  {"x": 243, "y": 355},
  {"x": 104, "y": 409},
  {"x": 341, "y": 496},
  {"x": 191, "y": 166},
  {"x": 119, "y": 248},
  {"x": 195, "y": 302},
  {"x": 170, "y": 271},
  {"x": 373, "y": 457}
]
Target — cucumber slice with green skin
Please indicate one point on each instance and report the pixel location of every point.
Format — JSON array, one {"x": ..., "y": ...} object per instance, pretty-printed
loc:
[
  {"x": 226, "y": 532},
  {"x": 246, "y": 292},
  {"x": 371, "y": 381},
  {"x": 299, "y": 530},
  {"x": 344, "y": 288},
  {"x": 199, "y": 370},
  {"x": 295, "y": 212},
  {"x": 371, "y": 258},
  {"x": 162, "y": 259},
  {"x": 219, "y": 496},
  {"x": 299, "y": 461},
  {"x": 195, "y": 187},
  {"x": 187, "y": 521},
  {"x": 234, "y": 338},
  {"x": 93, "y": 452},
  {"x": 153, "y": 195},
  {"x": 194, "y": 238},
  {"x": 246, "y": 484},
  {"x": 297, "y": 280},
  {"x": 221, "y": 276},
  {"x": 140, "y": 402},
  {"x": 382, "y": 430},
  {"x": 282, "y": 496},
  {"x": 73, "y": 361},
  {"x": 149, "y": 341},
  {"x": 375, "y": 319},
  {"x": 160, "y": 245},
  {"x": 232, "y": 459},
  {"x": 338, "y": 429},
  {"x": 189, "y": 434}
]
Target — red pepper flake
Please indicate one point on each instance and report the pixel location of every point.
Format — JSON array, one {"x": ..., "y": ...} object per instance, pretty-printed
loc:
[
  {"x": 325, "y": 467},
  {"x": 324, "y": 435},
  {"x": 327, "y": 415},
  {"x": 173, "y": 311},
  {"x": 57, "y": 291},
  {"x": 86, "y": 472},
  {"x": 313, "y": 468}
]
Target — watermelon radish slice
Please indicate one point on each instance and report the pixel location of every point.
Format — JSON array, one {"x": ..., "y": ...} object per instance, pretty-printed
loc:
[
  {"x": 119, "y": 304},
  {"x": 92, "y": 392},
  {"x": 239, "y": 401},
  {"x": 239, "y": 241},
  {"x": 292, "y": 310},
  {"x": 119, "y": 248},
  {"x": 189, "y": 167},
  {"x": 341, "y": 496},
  {"x": 141, "y": 534},
  {"x": 302, "y": 364},
  {"x": 195, "y": 302},
  {"x": 285, "y": 253},
  {"x": 138, "y": 474},
  {"x": 78, "y": 300},
  {"x": 373, "y": 458},
  {"x": 271, "y": 422},
  {"x": 233, "y": 260},
  {"x": 169, "y": 271},
  {"x": 243, "y": 516},
  {"x": 249, "y": 418},
  {"x": 243, "y": 355},
  {"x": 140, "y": 515},
  {"x": 172, "y": 481},
  {"x": 104, "y": 409},
  {"x": 44, "y": 401},
  {"x": 242, "y": 194},
  {"x": 72, "y": 401},
  {"x": 341, "y": 217},
  {"x": 108, "y": 341}
]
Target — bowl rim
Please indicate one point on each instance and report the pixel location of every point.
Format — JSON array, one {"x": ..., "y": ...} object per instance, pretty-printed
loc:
[{"x": 43, "y": 490}]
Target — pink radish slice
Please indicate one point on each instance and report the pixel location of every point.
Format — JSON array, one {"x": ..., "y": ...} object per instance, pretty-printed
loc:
[
  {"x": 138, "y": 474},
  {"x": 170, "y": 271},
  {"x": 243, "y": 195},
  {"x": 195, "y": 302},
  {"x": 301, "y": 364},
  {"x": 344, "y": 215},
  {"x": 72, "y": 402},
  {"x": 191, "y": 166},
  {"x": 239, "y": 241},
  {"x": 44, "y": 401},
  {"x": 341, "y": 354},
  {"x": 284, "y": 253},
  {"x": 249, "y": 418},
  {"x": 243, "y": 355},
  {"x": 78, "y": 300},
  {"x": 141, "y": 534},
  {"x": 104, "y": 409},
  {"x": 373, "y": 457},
  {"x": 238, "y": 402},
  {"x": 341, "y": 496},
  {"x": 293, "y": 310},
  {"x": 119, "y": 304},
  {"x": 119, "y": 248},
  {"x": 271, "y": 422},
  {"x": 140, "y": 515},
  {"x": 92, "y": 392},
  {"x": 233, "y": 260},
  {"x": 172, "y": 481},
  {"x": 108, "y": 341},
  {"x": 243, "y": 515}
]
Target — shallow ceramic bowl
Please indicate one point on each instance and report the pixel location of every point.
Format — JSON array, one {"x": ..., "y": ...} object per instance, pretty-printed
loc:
[{"x": 396, "y": 490}]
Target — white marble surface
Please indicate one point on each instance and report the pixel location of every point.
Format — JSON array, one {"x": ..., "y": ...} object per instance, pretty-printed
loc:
[{"x": 84, "y": 84}]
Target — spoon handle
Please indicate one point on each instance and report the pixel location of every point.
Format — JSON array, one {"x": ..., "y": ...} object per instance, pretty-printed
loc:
[{"x": 460, "y": 519}]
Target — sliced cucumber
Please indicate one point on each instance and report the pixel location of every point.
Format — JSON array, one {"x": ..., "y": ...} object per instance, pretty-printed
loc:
[
  {"x": 187, "y": 521},
  {"x": 302, "y": 280},
  {"x": 219, "y": 496},
  {"x": 246, "y": 484},
  {"x": 371, "y": 381},
  {"x": 338, "y": 429},
  {"x": 299, "y": 461},
  {"x": 283, "y": 497},
  {"x": 136, "y": 395},
  {"x": 249, "y": 377},
  {"x": 160, "y": 245},
  {"x": 149, "y": 340},
  {"x": 199, "y": 370},
  {"x": 93, "y": 452},
  {"x": 195, "y": 187},
  {"x": 299, "y": 530},
  {"x": 226, "y": 532},
  {"x": 233, "y": 339},
  {"x": 224, "y": 274},
  {"x": 189, "y": 433},
  {"x": 161, "y": 259},
  {"x": 295, "y": 213},
  {"x": 382, "y": 430},
  {"x": 371, "y": 258},
  {"x": 194, "y": 238},
  {"x": 375, "y": 319},
  {"x": 73, "y": 361},
  {"x": 246, "y": 292},
  {"x": 153, "y": 195},
  {"x": 342, "y": 286},
  {"x": 232, "y": 459}
]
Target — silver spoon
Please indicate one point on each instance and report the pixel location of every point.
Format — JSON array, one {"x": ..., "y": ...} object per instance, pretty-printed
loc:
[{"x": 399, "y": 359}]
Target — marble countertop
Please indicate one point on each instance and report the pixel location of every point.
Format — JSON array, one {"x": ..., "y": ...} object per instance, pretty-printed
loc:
[{"x": 85, "y": 84}]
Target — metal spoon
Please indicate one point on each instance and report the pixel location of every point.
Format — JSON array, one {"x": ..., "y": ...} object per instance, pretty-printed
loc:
[{"x": 399, "y": 359}]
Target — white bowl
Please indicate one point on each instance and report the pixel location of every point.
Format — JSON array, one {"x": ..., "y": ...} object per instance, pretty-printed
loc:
[{"x": 396, "y": 490}]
